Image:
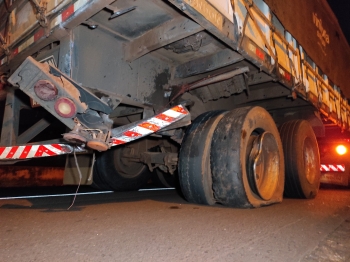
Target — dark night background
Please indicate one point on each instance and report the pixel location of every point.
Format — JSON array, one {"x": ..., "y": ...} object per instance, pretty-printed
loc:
[{"x": 341, "y": 9}]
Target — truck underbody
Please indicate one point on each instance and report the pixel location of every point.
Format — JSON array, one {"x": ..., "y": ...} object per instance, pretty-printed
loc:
[{"x": 227, "y": 99}]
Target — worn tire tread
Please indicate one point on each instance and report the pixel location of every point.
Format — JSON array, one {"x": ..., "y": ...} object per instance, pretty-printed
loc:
[
  {"x": 295, "y": 185},
  {"x": 194, "y": 178}
]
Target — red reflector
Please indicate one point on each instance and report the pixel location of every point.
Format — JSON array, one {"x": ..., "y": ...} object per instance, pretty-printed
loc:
[
  {"x": 67, "y": 13},
  {"x": 15, "y": 52},
  {"x": 65, "y": 107},
  {"x": 39, "y": 34},
  {"x": 260, "y": 54},
  {"x": 287, "y": 76},
  {"x": 45, "y": 90}
]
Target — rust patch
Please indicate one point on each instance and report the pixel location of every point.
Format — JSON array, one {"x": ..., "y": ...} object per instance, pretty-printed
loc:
[
  {"x": 244, "y": 134},
  {"x": 20, "y": 176},
  {"x": 157, "y": 95},
  {"x": 161, "y": 79}
]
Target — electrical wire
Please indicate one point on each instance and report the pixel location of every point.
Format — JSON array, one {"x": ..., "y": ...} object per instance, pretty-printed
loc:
[{"x": 80, "y": 177}]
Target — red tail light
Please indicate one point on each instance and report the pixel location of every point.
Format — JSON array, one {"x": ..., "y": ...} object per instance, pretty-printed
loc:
[
  {"x": 341, "y": 149},
  {"x": 45, "y": 90},
  {"x": 65, "y": 107}
]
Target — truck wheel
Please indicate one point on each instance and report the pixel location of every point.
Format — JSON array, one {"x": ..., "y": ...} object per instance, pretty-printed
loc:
[
  {"x": 98, "y": 181},
  {"x": 163, "y": 179},
  {"x": 194, "y": 159},
  {"x": 118, "y": 173},
  {"x": 302, "y": 159},
  {"x": 247, "y": 159}
]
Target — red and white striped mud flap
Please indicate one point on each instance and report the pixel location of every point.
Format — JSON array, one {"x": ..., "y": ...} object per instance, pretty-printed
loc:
[
  {"x": 332, "y": 168},
  {"x": 148, "y": 126},
  {"x": 130, "y": 133}
]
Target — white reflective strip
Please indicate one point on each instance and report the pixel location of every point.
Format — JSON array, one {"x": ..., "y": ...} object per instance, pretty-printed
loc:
[
  {"x": 54, "y": 149},
  {"x": 333, "y": 168},
  {"x": 82, "y": 194},
  {"x": 57, "y": 195},
  {"x": 156, "y": 189},
  {"x": 172, "y": 113},
  {"x": 56, "y": 21},
  {"x": 158, "y": 122},
  {"x": 3, "y": 61},
  {"x": 5, "y": 153},
  {"x": 125, "y": 138},
  {"x": 26, "y": 44},
  {"x": 79, "y": 4},
  {"x": 18, "y": 152},
  {"x": 141, "y": 130},
  {"x": 341, "y": 168},
  {"x": 33, "y": 151},
  {"x": 324, "y": 167}
]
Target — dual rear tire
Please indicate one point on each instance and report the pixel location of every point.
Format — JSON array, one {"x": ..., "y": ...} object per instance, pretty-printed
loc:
[
  {"x": 114, "y": 172},
  {"x": 234, "y": 158},
  {"x": 238, "y": 158},
  {"x": 303, "y": 160},
  {"x": 194, "y": 160}
]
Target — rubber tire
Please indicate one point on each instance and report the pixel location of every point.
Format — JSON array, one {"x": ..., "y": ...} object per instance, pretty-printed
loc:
[
  {"x": 229, "y": 158},
  {"x": 108, "y": 176},
  {"x": 163, "y": 179},
  {"x": 98, "y": 181},
  {"x": 194, "y": 163},
  {"x": 294, "y": 134}
]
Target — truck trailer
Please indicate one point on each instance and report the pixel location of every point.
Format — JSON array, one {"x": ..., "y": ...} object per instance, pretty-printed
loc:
[{"x": 228, "y": 95}]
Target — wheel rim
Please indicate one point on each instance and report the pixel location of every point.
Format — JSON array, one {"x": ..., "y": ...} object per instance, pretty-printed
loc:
[
  {"x": 125, "y": 167},
  {"x": 263, "y": 162},
  {"x": 309, "y": 161}
]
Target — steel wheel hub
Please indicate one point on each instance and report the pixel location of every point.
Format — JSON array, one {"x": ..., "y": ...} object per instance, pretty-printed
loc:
[
  {"x": 309, "y": 161},
  {"x": 263, "y": 163}
]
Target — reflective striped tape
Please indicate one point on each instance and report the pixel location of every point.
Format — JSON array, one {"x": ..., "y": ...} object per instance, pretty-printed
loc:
[
  {"x": 136, "y": 131},
  {"x": 33, "y": 151},
  {"x": 3, "y": 61},
  {"x": 68, "y": 12},
  {"x": 332, "y": 168},
  {"x": 151, "y": 125},
  {"x": 38, "y": 34}
]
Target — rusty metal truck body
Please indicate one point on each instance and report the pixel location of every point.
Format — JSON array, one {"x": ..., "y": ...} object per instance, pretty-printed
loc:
[{"x": 227, "y": 95}]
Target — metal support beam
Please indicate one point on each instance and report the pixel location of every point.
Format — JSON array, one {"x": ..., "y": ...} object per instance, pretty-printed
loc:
[
  {"x": 9, "y": 130},
  {"x": 86, "y": 12},
  {"x": 65, "y": 54},
  {"x": 31, "y": 132},
  {"x": 209, "y": 63},
  {"x": 169, "y": 32},
  {"x": 209, "y": 18}
]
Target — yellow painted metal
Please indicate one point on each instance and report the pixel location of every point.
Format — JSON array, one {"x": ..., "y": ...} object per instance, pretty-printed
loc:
[
  {"x": 208, "y": 11},
  {"x": 23, "y": 19}
]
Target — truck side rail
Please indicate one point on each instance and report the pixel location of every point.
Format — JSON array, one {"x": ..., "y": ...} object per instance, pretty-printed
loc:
[{"x": 293, "y": 66}]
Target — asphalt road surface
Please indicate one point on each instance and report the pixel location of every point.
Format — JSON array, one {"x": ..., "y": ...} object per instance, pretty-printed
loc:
[{"x": 161, "y": 226}]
